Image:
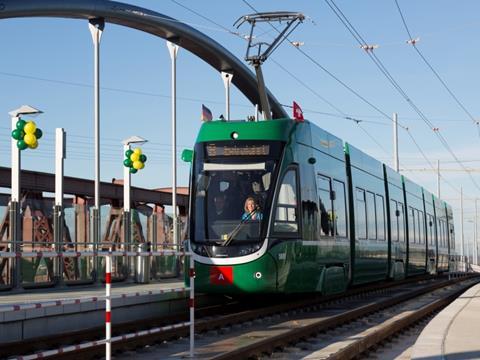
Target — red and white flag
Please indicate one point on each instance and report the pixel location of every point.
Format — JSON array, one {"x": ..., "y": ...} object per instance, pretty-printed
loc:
[{"x": 297, "y": 112}]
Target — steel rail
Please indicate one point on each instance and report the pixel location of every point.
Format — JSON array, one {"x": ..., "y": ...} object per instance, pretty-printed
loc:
[
  {"x": 294, "y": 335},
  {"x": 394, "y": 326},
  {"x": 201, "y": 325}
]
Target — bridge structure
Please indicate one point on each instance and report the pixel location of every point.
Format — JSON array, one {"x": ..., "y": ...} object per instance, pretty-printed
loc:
[
  {"x": 82, "y": 217},
  {"x": 149, "y": 225}
]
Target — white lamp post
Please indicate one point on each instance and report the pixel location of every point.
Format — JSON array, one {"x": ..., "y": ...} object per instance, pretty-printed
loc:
[
  {"x": 96, "y": 27},
  {"x": 15, "y": 227},
  {"x": 58, "y": 215},
  {"x": 173, "y": 50},
  {"x": 227, "y": 81},
  {"x": 126, "y": 188}
]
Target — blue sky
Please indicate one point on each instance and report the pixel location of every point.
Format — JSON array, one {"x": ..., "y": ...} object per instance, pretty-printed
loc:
[{"x": 48, "y": 63}]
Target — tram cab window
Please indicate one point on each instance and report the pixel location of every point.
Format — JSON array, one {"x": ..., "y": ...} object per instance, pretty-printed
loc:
[
  {"x": 286, "y": 208},
  {"x": 220, "y": 190}
]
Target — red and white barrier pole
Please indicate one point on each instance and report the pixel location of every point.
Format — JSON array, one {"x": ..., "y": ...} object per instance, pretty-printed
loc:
[
  {"x": 192, "y": 305},
  {"x": 108, "y": 307}
]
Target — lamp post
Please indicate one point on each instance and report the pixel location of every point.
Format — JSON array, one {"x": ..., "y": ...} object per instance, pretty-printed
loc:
[
  {"x": 14, "y": 214},
  {"x": 227, "y": 81},
  {"x": 173, "y": 51},
  {"x": 475, "y": 237},
  {"x": 58, "y": 215},
  {"x": 96, "y": 27},
  {"x": 126, "y": 188}
]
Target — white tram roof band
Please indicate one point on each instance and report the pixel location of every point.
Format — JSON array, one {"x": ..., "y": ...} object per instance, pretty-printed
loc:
[{"x": 225, "y": 167}]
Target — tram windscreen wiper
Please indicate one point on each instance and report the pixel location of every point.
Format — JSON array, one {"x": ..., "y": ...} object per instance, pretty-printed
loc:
[{"x": 237, "y": 228}]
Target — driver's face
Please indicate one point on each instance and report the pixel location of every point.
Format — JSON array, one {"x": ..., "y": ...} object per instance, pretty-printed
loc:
[{"x": 250, "y": 205}]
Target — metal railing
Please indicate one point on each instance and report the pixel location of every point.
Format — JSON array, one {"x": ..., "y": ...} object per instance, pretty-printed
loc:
[{"x": 108, "y": 255}]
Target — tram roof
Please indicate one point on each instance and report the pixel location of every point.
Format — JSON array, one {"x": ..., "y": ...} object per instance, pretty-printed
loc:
[{"x": 278, "y": 129}]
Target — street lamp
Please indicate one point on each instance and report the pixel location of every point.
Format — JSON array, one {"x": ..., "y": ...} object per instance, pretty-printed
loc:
[
  {"x": 137, "y": 140},
  {"x": 15, "y": 187}
]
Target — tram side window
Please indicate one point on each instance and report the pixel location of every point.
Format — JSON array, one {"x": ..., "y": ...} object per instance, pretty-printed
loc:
[
  {"x": 421, "y": 227},
  {"x": 340, "y": 208},
  {"x": 380, "y": 217},
  {"x": 371, "y": 218},
  {"x": 411, "y": 225},
  {"x": 417, "y": 226},
  {"x": 401, "y": 223},
  {"x": 444, "y": 233},
  {"x": 452, "y": 236},
  {"x": 445, "y": 227},
  {"x": 361, "y": 215},
  {"x": 439, "y": 234},
  {"x": 430, "y": 230},
  {"x": 326, "y": 208},
  {"x": 394, "y": 219},
  {"x": 286, "y": 212}
]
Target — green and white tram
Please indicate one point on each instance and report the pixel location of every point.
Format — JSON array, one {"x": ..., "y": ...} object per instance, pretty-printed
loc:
[{"x": 323, "y": 215}]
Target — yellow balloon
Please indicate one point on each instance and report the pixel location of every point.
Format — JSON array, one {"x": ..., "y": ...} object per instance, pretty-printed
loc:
[
  {"x": 34, "y": 146},
  {"x": 135, "y": 157},
  {"x": 30, "y": 139},
  {"x": 138, "y": 165},
  {"x": 143, "y": 165},
  {"x": 30, "y": 127},
  {"x": 137, "y": 151}
]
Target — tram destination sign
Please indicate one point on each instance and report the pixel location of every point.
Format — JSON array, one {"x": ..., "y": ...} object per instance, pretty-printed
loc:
[{"x": 214, "y": 150}]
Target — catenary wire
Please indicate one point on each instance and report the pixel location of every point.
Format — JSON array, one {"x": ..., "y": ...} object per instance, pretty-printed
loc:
[
  {"x": 341, "y": 16},
  {"x": 429, "y": 65}
]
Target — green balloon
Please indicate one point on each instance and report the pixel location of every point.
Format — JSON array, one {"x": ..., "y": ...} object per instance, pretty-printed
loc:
[
  {"x": 127, "y": 163},
  {"x": 128, "y": 153},
  {"x": 38, "y": 133},
  {"x": 17, "y": 134},
  {"x": 21, "y": 124},
  {"x": 133, "y": 170},
  {"x": 143, "y": 158},
  {"x": 21, "y": 145}
]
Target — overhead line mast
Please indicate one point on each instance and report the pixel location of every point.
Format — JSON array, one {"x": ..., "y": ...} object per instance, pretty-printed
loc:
[{"x": 257, "y": 58}]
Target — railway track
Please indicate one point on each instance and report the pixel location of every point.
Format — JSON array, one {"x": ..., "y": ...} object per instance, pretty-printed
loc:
[{"x": 281, "y": 326}]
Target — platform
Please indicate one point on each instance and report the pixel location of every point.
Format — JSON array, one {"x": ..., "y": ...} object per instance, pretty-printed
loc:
[
  {"x": 46, "y": 312},
  {"x": 454, "y": 333}
]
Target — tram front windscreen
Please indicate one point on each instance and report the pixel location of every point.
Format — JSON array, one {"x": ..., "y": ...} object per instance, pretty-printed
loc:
[{"x": 233, "y": 185}]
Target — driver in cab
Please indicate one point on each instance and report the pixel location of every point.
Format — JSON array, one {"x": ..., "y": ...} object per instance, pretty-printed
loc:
[{"x": 252, "y": 210}]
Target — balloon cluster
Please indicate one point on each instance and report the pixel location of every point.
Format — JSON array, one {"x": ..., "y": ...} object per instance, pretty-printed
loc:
[
  {"x": 135, "y": 160},
  {"x": 26, "y": 134}
]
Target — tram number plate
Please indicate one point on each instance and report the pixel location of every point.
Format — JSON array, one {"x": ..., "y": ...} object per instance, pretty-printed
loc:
[{"x": 221, "y": 275}]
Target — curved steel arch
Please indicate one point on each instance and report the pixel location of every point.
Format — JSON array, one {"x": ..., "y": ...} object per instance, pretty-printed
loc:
[{"x": 151, "y": 22}]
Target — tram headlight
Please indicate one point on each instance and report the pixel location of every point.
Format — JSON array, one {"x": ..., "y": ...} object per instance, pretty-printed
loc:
[
  {"x": 234, "y": 135},
  {"x": 258, "y": 275}
]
